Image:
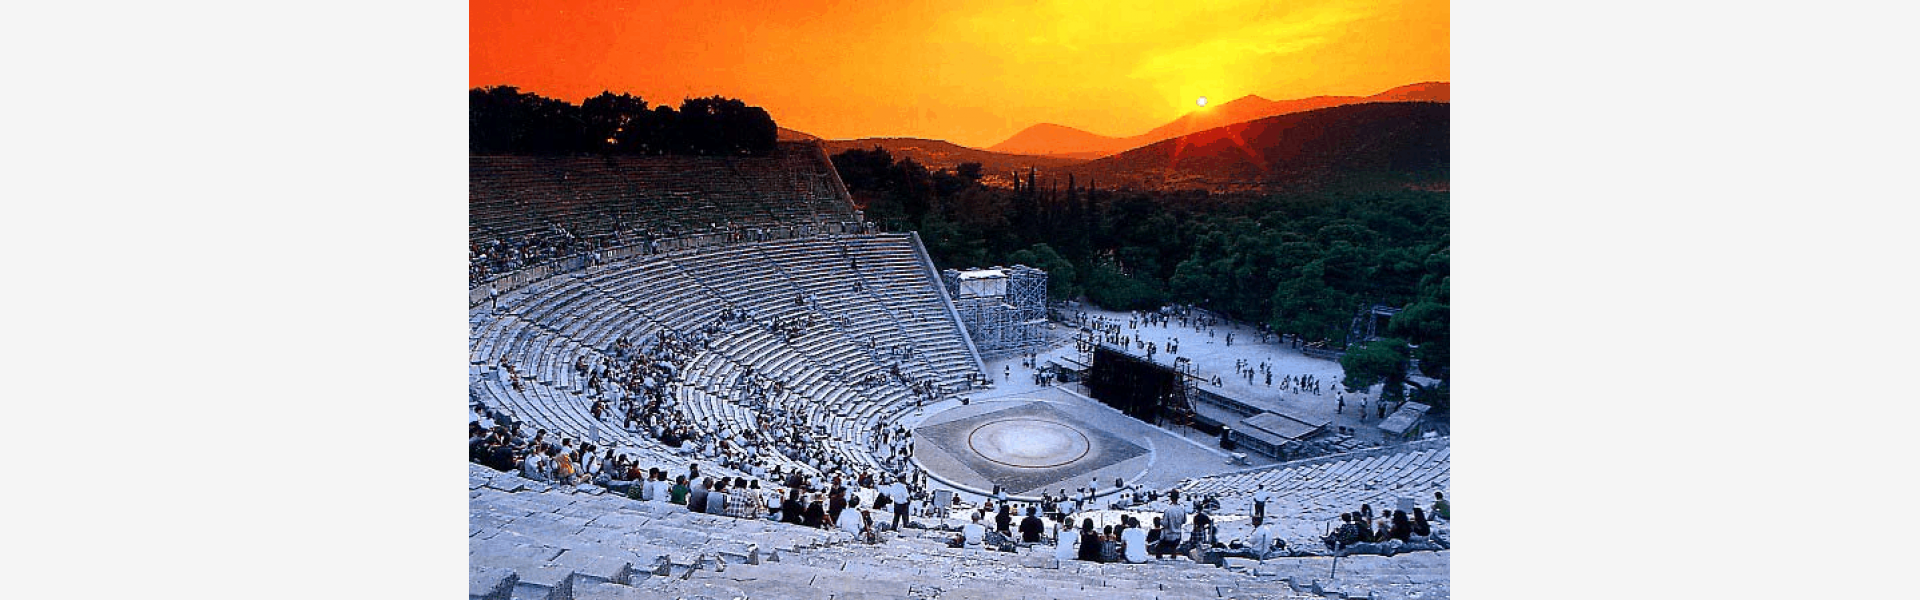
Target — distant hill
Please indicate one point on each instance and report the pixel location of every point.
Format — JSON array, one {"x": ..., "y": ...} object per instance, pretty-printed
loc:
[
  {"x": 1051, "y": 139},
  {"x": 1395, "y": 143},
  {"x": 1056, "y": 140},
  {"x": 1432, "y": 91},
  {"x": 788, "y": 135},
  {"x": 937, "y": 154}
]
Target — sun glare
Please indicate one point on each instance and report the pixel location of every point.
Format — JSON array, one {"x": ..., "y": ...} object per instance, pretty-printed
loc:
[{"x": 1202, "y": 101}]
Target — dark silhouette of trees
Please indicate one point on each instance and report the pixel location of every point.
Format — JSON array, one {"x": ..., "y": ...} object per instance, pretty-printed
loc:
[
  {"x": 724, "y": 126},
  {"x": 504, "y": 120}
]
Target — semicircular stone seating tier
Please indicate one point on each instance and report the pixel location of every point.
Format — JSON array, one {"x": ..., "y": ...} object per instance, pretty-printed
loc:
[
  {"x": 528, "y": 541},
  {"x": 1322, "y": 488},
  {"x": 867, "y": 296}
]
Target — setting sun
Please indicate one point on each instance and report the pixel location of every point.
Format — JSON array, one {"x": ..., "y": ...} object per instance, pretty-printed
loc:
[{"x": 1202, "y": 101}]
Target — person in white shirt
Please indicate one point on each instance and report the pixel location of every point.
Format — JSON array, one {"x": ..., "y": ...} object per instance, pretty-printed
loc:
[
  {"x": 1065, "y": 548},
  {"x": 973, "y": 533},
  {"x": 850, "y": 518},
  {"x": 646, "y": 487},
  {"x": 1134, "y": 542},
  {"x": 1260, "y": 545},
  {"x": 1261, "y": 541},
  {"x": 534, "y": 466},
  {"x": 662, "y": 490},
  {"x": 900, "y": 496},
  {"x": 1260, "y": 497}
]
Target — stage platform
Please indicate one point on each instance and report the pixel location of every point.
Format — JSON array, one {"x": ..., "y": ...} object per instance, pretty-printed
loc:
[{"x": 1047, "y": 440}]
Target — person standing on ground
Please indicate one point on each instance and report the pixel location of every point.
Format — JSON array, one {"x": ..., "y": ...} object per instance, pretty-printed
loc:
[
  {"x": 900, "y": 502},
  {"x": 1175, "y": 517},
  {"x": 1260, "y": 497}
]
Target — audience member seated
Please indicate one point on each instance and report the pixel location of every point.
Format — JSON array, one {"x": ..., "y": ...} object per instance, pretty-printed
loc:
[
  {"x": 816, "y": 514},
  {"x": 1393, "y": 535},
  {"x": 681, "y": 492},
  {"x": 697, "y": 499},
  {"x": 793, "y": 509},
  {"x": 1031, "y": 527},
  {"x": 851, "y": 520},
  {"x": 1401, "y": 528},
  {"x": 1065, "y": 543},
  {"x": 716, "y": 498},
  {"x": 1262, "y": 543},
  {"x": 1109, "y": 545},
  {"x": 1090, "y": 542},
  {"x": 1134, "y": 540},
  {"x": 973, "y": 535}
]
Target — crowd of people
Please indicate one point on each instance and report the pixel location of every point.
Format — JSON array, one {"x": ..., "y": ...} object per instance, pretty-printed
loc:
[
  {"x": 1388, "y": 532},
  {"x": 489, "y": 258},
  {"x": 781, "y": 494},
  {"x": 1096, "y": 329},
  {"x": 486, "y": 259},
  {"x": 638, "y": 386},
  {"x": 873, "y": 503}
]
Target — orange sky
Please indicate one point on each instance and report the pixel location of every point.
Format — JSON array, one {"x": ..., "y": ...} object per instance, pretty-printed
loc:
[{"x": 972, "y": 74}]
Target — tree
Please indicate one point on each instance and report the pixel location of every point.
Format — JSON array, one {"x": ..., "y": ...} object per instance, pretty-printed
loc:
[
  {"x": 1382, "y": 361},
  {"x": 504, "y": 120},
  {"x": 1061, "y": 283},
  {"x": 725, "y": 126},
  {"x": 605, "y": 119},
  {"x": 968, "y": 170},
  {"x": 1425, "y": 325}
]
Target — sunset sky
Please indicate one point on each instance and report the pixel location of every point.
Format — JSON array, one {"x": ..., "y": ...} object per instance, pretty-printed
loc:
[{"x": 972, "y": 74}]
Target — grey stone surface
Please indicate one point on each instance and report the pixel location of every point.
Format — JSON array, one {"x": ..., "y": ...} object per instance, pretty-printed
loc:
[{"x": 490, "y": 583}]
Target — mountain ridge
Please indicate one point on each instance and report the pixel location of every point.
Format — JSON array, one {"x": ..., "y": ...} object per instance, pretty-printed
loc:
[
  {"x": 1401, "y": 144},
  {"x": 1052, "y": 139}
]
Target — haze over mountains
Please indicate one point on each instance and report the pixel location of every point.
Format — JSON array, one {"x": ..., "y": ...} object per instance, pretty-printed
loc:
[
  {"x": 1375, "y": 143},
  {"x": 1398, "y": 137},
  {"x": 1048, "y": 139}
]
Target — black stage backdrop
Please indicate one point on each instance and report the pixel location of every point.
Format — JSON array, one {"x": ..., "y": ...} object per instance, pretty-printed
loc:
[{"x": 1138, "y": 388}]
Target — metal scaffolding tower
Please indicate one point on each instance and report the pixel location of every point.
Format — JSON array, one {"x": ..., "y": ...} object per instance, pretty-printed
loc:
[{"x": 1003, "y": 308}]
